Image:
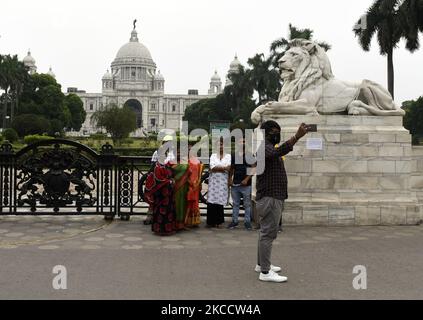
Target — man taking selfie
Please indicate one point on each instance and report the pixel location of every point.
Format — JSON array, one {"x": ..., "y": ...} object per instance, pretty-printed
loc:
[{"x": 272, "y": 191}]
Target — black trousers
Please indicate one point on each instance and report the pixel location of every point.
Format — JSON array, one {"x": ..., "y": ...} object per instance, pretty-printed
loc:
[{"x": 215, "y": 214}]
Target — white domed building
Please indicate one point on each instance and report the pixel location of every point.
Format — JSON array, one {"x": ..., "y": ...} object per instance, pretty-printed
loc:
[
  {"x": 234, "y": 67},
  {"x": 134, "y": 81},
  {"x": 29, "y": 61}
]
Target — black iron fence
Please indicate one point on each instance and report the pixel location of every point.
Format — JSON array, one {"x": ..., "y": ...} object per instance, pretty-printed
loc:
[{"x": 64, "y": 177}]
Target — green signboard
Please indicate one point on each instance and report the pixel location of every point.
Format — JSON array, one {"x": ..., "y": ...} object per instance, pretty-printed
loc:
[{"x": 219, "y": 125}]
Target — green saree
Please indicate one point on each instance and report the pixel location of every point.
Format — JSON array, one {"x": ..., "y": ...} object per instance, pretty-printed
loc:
[{"x": 180, "y": 172}]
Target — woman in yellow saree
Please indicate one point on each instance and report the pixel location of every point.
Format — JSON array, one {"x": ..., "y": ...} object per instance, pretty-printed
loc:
[{"x": 195, "y": 168}]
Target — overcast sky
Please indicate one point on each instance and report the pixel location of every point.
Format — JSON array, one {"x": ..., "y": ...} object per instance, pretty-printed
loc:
[{"x": 189, "y": 39}]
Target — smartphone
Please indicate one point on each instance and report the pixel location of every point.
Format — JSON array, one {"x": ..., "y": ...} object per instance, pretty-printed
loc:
[{"x": 312, "y": 127}]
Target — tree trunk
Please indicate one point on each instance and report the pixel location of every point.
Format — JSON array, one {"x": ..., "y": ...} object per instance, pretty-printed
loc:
[{"x": 391, "y": 72}]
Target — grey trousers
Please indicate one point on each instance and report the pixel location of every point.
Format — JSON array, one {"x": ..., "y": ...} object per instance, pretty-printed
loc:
[{"x": 269, "y": 211}]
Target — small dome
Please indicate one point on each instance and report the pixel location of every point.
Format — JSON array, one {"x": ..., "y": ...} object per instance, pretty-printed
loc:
[
  {"x": 235, "y": 65},
  {"x": 51, "y": 73},
  {"x": 107, "y": 76},
  {"x": 158, "y": 76},
  {"x": 29, "y": 60},
  {"x": 215, "y": 77}
]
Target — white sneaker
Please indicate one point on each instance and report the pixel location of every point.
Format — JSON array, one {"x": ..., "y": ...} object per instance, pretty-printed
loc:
[
  {"x": 272, "y": 277},
  {"x": 272, "y": 267}
]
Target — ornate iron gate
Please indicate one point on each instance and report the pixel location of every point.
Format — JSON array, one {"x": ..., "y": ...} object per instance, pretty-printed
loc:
[{"x": 59, "y": 177}]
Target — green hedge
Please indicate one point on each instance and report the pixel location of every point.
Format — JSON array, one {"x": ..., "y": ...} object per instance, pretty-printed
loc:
[
  {"x": 33, "y": 138},
  {"x": 134, "y": 151}
]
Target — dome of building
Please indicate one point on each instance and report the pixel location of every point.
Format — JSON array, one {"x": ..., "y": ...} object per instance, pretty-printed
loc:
[
  {"x": 158, "y": 76},
  {"x": 235, "y": 65},
  {"x": 133, "y": 50},
  {"x": 107, "y": 76},
  {"x": 215, "y": 77},
  {"x": 51, "y": 73},
  {"x": 29, "y": 60}
]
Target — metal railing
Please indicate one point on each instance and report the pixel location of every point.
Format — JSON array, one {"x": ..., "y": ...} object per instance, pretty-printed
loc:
[{"x": 64, "y": 177}]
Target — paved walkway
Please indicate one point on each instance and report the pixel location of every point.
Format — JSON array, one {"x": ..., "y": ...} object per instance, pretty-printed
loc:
[{"x": 124, "y": 260}]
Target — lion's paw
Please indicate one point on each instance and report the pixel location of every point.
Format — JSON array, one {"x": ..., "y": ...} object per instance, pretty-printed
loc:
[
  {"x": 354, "y": 111},
  {"x": 255, "y": 117}
]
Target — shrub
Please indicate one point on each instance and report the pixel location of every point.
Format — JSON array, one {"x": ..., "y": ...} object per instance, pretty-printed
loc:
[
  {"x": 127, "y": 141},
  {"x": 30, "y": 139},
  {"x": 98, "y": 136},
  {"x": 26, "y": 124},
  {"x": 11, "y": 135},
  {"x": 148, "y": 152}
]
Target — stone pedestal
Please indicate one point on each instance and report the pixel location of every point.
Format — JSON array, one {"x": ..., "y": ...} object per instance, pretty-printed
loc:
[{"x": 362, "y": 176}]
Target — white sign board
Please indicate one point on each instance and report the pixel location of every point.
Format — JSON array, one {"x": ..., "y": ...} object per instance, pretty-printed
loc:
[{"x": 314, "y": 144}]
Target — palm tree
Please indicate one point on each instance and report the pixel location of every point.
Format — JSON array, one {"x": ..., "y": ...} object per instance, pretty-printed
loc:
[
  {"x": 264, "y": 78},
  {"x": 13, "y": 76},
  {"x": 239, "y": 91},
  {"x": 412, "y": 21},
  {"x": 391, "y": 20},
  {"x": 279, "y": 46}
]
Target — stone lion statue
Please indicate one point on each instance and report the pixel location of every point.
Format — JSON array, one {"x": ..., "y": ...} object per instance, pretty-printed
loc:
[{"x": 310, "y": 88}]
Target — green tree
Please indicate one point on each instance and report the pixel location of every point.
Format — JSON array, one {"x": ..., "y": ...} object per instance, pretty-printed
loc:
[
  {"x": 42, "y": 96},
  {"x": 56, "y": 128},
  {"x": 201, "y": 113},
  {"x": 391, "y": 20},
  {"x": 77, "y": 112},
  {"x": 119, "y": 122},
  {"x": 413, "y": 119}
]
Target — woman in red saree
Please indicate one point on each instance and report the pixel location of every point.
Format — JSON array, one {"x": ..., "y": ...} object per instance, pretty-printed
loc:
[
  {"x": 195, "y": 168},
  {"x": 159, "y": 194}
]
